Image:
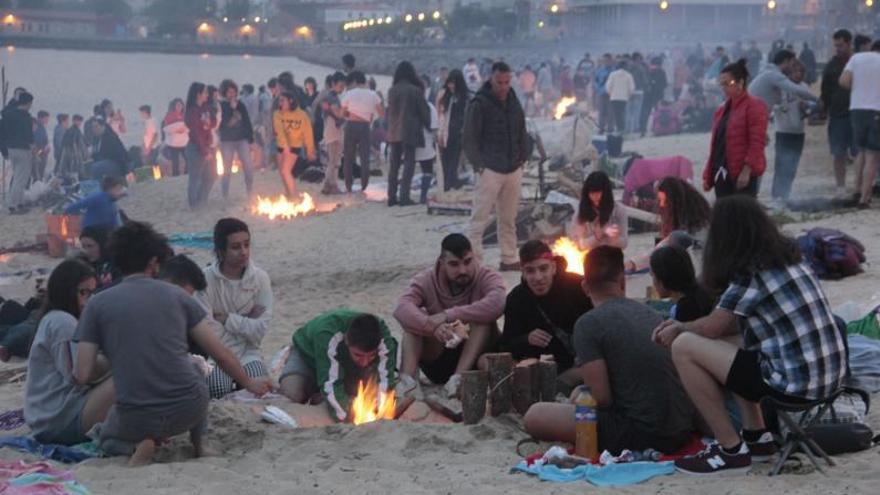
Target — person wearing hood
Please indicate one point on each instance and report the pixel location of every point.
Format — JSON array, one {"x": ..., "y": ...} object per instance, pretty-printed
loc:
[
  {"x": 111, "y": 157},
  {"x": 495, "y": 142},
  {"x": 239, "y": 295},
  {"x": 455, "y": 289},
  {"x": 541, "y": 311}
]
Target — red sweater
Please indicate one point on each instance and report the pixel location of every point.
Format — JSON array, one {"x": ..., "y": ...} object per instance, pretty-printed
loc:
[
  {"x": 200, "y": 122},
  {"x": 746, "y": 138}
]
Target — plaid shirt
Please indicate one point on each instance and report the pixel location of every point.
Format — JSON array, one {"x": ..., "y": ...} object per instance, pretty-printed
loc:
[{"x": 786, "y": 318}]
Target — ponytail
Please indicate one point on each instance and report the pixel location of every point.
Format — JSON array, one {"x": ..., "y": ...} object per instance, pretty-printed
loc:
[{"x": 738, "y": 70}]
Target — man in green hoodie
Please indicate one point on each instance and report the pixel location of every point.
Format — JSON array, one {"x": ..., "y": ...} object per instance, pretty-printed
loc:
[{"x": 335, "y": 351}]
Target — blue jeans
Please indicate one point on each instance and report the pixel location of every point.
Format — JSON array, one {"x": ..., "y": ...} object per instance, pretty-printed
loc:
[
  {"x": 634, "y": 112},
  {"x": 788, "y": 156},
  {"x": 242, "y": 148},
  {"x": 201, "y": 176}
]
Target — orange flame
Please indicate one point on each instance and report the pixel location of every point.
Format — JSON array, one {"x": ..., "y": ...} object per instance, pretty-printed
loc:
[
  {"x": 562, "y": 106},
  {"x": 157, "y": 172},
  {"x": 285, "y": 208},
  {"x": 220, "y": 168},
  {"x": 574, "y": 256},
  {"x": 235, "y": 167},
  {"x": 64, "y": 230},
  {"x": 371, "y": 404}
]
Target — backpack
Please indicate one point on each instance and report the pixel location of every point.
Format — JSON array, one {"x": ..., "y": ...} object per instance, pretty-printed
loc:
[{"x": 832, "y": 254}]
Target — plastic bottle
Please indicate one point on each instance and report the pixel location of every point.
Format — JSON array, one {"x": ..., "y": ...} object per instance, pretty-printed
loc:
[{"x": 586, "y": 439}]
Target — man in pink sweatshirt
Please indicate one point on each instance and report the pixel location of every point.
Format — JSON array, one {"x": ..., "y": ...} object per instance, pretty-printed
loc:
[{"x": 456, "y": 288}]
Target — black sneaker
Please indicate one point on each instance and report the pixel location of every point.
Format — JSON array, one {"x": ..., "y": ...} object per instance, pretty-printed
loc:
[
  {"x": 764, "y": 448},
  {"x": 714, "y": 460}
]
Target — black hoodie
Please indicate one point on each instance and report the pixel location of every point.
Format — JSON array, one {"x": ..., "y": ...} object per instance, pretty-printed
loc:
[
  {"x": 524, "y": 312},
  {"x": 495, "y": 133}
]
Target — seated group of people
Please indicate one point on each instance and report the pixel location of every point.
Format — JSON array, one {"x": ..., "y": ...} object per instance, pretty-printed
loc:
[{"x": 121, "y": 365}]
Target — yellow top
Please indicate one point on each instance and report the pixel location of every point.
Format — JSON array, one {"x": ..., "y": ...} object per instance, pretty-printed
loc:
[{"x": 293, "y": 129}]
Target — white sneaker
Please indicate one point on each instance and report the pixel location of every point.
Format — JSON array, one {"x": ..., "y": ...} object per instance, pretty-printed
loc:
[
  {"x": 452, "y": 386},
  {"x": 408, "y": 386}
]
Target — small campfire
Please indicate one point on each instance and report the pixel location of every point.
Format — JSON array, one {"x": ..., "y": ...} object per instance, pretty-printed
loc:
[
  {"x": 284, "y": 208},
  {"x": 157, "y": 172},
  {"x": 221, "y": 168},
  {"x": 574, "y": 256},
  {"x": 372, "y": 404},
  {"x": 562, "y": 107}
]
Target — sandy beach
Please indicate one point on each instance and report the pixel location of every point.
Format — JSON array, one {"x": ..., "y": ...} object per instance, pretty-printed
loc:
[{"x": 362, "y": 255}]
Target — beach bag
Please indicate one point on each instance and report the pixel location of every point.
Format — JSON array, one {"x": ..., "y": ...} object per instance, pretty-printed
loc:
[
  {"x": 832, "y": 254},
  {"x": 665, "y": 122},
  {"x": 843, "y": 428}
]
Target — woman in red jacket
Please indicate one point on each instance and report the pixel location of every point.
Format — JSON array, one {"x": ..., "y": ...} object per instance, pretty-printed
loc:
[{"x": 739, "y": 135}]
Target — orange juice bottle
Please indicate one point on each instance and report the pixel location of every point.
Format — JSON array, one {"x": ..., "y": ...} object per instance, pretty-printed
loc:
[{"x": 586, "y": 438}]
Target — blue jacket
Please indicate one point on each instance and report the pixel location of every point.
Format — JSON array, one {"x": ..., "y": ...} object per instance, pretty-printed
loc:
[{"x": 100, "y": 210}]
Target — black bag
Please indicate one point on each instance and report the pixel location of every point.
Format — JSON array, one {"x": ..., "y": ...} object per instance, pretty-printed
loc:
[
  {"x": 614, "y": 144},
  {"x": 840, "y": 438}
]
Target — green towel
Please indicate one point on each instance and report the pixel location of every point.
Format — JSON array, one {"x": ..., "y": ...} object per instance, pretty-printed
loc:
[{"x": 869, "y": 326}]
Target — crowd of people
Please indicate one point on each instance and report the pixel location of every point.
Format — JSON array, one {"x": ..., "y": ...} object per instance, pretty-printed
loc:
[{"x": 112, "y": 341}]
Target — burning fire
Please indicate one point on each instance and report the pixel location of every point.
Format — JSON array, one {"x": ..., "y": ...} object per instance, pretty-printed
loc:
[
  {"x": 157, "y": 172},
  {"x": 285, "y": 208},
  {"x": 562, "y": 106},
  {"x": 371, "y": 404},
  {"x": 220, "y": 168},
  {"x": 64, "y": 230},
  {"x": 573, "y": 255}
]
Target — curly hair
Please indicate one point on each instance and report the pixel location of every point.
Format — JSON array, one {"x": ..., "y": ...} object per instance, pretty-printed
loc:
[
  {"x": 686, "y": 208},
  {"x": 135, "y": 244}
]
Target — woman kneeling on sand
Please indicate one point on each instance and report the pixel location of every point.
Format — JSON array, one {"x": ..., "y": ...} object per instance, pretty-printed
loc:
[
  {"x": 239, "y": 295},
  {"x": 56, "y": 410}
]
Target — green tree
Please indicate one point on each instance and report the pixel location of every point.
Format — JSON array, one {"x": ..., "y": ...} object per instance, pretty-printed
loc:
[
  {"x": 237, "y": 9},
  {"x": 179, "y": 17}
]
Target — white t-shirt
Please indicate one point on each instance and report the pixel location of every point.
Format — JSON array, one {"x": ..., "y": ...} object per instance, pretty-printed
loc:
[
  {"x": 429, "y": 151},
  {"x": 362, "y": 103},
  {"x": 865, "y": 69}
]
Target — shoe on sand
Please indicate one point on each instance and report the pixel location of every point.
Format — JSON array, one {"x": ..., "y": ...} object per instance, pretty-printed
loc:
[
  {"x": 764, "y": 448},
  {"x": 714, "y": 460},
  {"x": 452, "y": 386}
]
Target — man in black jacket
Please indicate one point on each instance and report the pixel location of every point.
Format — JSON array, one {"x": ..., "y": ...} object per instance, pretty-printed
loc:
[
  {"x": 834, "y": 101},
  {"x": 495, "y": 143},
  {"x": 17, "y": 145},
  {"x": 541, "y": 311},
  {"x": 236, "y": 136},
  {"x": 111, "y": 158}
]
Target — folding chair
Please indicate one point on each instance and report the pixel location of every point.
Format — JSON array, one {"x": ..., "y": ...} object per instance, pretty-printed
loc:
[{"x": 796, "y": 438}]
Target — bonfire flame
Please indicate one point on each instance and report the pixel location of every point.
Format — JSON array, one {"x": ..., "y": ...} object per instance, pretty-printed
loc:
[
  {"x": 285, "y": 208},
  {"x": 64, "y": 230},
  {"x": 157, "y": 172},
  {"x": 235, "y": 166},
  {"x": 371, "y": 404},
  {"x": 562, "y": 106},
  {"x": 574, "y": 256},
  {"x": 220, "y": 168}
]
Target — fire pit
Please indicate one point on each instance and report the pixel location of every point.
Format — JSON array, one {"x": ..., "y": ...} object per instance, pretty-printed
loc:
[
  {"x": 574, "y": 255},
  {"x": 284, "y": 208},
  {"x": 371, "y": 404},
  {"x": 562, "y": 107}
]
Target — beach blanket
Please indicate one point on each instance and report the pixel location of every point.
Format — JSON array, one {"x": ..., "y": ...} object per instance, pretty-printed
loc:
[
  {"x": 645, "y": 171},
  {"x": 611, "y": 475},
  {"x": 613, "y": 471},
  {"x": 199, "y": 240},
  {"x": 60, "y": 453},
  {"x": 864, "y": 362},
  {"x": 11, "y": 420},
  {"x": 21, "y": 478}
]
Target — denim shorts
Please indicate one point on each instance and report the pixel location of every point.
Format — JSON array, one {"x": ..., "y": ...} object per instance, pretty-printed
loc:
[
  {"x": 866, "y": 129},
  {"x": 840, "y": 137}
]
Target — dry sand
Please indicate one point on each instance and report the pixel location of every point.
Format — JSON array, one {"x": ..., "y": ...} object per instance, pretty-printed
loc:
[{"x": 362, "y": 256}]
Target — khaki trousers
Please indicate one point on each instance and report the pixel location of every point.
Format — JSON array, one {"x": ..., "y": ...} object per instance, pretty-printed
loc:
[{"x": 498, "y": 192}]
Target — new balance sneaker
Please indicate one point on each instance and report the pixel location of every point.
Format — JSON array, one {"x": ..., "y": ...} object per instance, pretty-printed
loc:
[
  {"x": 715, "y": 460},
  {"x": 764, "y": 448}
]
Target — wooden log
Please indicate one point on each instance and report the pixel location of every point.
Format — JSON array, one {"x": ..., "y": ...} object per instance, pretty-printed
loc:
[
  {"x": 523, "y": 387},
  {"x": 474, "y": 385},
  {"x": 547, "y": 381},
  {"x": 500, "y": 382}
]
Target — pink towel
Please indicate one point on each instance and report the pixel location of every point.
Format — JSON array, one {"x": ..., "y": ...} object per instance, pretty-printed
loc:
[{"x": 645, "y": 171}]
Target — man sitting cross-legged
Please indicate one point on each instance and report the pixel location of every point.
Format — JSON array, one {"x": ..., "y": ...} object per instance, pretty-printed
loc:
[
  {"x": 541, "y": 311},
  {"x": 335, "y": 351},
  {"x": 456, "y": 288},
  {"x": 640, "y": 401},
  {"x": 771, "y": 335},
  {"x": 142, "y": 325}
]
